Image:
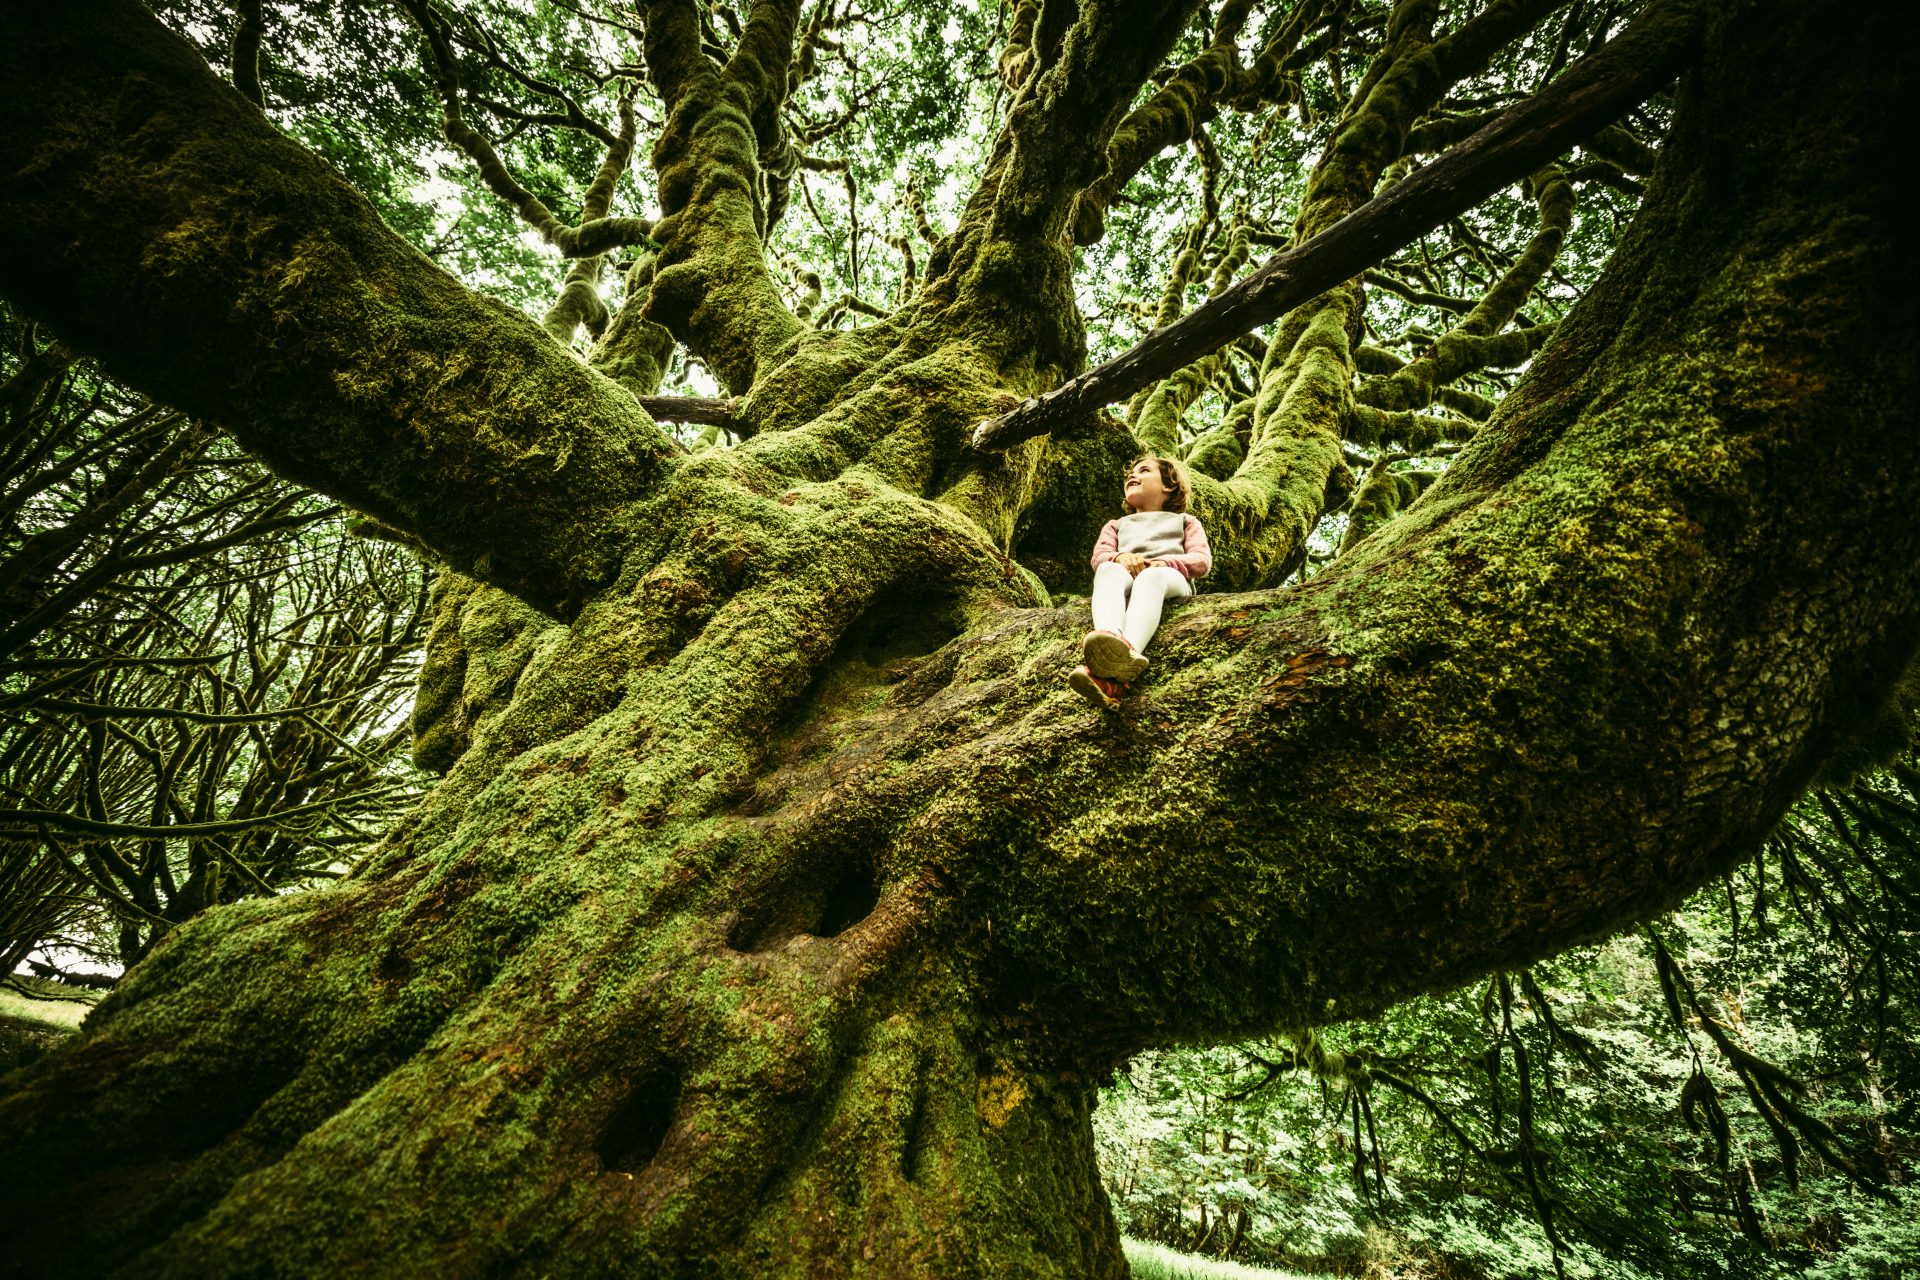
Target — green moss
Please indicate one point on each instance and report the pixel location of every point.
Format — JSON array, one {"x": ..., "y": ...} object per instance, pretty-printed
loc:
[
  {"x": 634, "y": 351},
  {"x": 711, "y": 287}
]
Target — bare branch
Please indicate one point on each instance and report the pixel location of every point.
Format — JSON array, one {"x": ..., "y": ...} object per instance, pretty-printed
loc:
[
  {"x": 39, "y": 818},
  {"x": 701, "y": 410},
  {"x": 596, "y": 233},
  {"x": 246, "y": 51}
]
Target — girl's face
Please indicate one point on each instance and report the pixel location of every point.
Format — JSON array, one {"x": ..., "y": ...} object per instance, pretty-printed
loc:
[{"x": 1146, "y": 491}]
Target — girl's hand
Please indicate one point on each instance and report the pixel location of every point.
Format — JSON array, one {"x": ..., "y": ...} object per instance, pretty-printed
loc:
[{"x": 1133, "y": 564}]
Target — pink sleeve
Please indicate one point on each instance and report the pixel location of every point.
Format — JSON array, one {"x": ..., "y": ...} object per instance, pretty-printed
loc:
[
  {"x": 1109, "y": 545},
  {"x": 1199, "y": 552}
]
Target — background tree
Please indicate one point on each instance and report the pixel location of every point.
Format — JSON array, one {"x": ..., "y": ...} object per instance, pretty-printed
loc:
[
  {"x": 205, "y": 674},
  {"x": 778, "y": 910}
]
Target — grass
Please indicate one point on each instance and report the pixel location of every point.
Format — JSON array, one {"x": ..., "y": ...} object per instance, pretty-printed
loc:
[
  {"x": 62, "y": 1013},
  {"x": 1156, "y": 1262},
  {"x": 29, "y": 1027}
]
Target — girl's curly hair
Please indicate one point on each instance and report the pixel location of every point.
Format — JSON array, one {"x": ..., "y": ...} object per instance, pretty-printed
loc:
[{"x": 1173, "y": 474}]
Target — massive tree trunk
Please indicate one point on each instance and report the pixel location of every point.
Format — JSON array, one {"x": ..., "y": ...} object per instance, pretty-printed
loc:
[{"x": 781, "y": 910}]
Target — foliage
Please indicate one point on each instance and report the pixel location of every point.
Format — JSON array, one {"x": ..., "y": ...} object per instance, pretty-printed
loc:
[
  {"x": 887, "y": 128},
  {"x": 35, "y": 1015}
]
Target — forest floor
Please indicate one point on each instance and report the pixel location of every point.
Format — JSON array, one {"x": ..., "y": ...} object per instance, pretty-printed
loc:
[{"x": 1157, "y": 1262}]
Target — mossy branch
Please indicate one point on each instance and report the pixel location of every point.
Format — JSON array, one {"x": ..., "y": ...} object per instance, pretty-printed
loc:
[
  {"x": 1175, "y": 113},
  {"x": 1155, "y": 414},
  {"x": 328, "y": 345},
  {"x": 1476, "y": 342},
  {"x": 762, "y": 64},
  {"x": 1385, "y": 279},
  {"x": 1018, "y": 58},
  {"x": 1436, "y": 134},
  {"x": 1196, "y": 93},
  {"x": 1402, "y": 85},
  {"x": 711, "y": 287},
  {"x": 579, "y": 302},
  {"x": 1008, "y": 272},
  {"x": 1260, "y": 516},
  {"x": 1405, "y": 429},
  {"x": 1062, "y": 127},
  {"x": 1218, "y": 453},
  {"x": 1617, "y": 143},
  {"x": 1773, "y": 1092},
  {"x": 634, "y": 351},
  {"x": 1384, "y": 494}
]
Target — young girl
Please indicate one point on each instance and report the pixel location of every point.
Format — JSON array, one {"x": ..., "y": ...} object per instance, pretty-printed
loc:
[{"x": 1143, "y": 559}]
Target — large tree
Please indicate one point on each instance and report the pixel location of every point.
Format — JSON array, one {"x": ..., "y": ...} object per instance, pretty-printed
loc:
[{"x": 780, "y": 909}]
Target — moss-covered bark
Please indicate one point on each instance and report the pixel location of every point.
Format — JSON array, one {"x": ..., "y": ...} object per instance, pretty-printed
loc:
[{"x": 777, "y": 915}]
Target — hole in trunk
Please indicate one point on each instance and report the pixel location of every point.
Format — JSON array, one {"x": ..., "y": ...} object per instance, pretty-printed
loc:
[
  {"x": 639, "y": 1125},
  {"x": 746, "y": 933},
  {"x": 806, "y": 908},
  {"x": 915, "y": 1138},
  {"x": 848, "y": 903}
]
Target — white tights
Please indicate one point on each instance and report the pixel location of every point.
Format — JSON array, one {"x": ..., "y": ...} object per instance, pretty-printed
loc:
[{"x": 1131, "y": 606}]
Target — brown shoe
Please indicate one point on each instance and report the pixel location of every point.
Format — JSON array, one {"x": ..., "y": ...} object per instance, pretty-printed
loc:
[
  {"x": 1099, "y": 690},
  {"x": 1109, "y": 655}
]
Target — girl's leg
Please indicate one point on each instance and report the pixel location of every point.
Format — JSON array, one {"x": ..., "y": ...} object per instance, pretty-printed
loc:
[
  {"x": 1106, "y": 651},
  {"x": 1155, "y": 585},
  {"x": 1110, "y": 584}
]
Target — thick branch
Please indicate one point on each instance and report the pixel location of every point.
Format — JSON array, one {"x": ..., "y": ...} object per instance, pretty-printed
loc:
[
  {"x": 1007, "y": 272},
  {"x": 253, "y": 287},
  {"x": 762, "y": 62},
  {"x": 612, "y": 956},
  {"x": 711, "y": 287},
  {"x": 1176, "y": 112},
  {"x": 1595, "y": 90}
]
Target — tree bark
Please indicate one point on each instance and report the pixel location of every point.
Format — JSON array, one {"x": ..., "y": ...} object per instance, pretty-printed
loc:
[{"x": 782, "y": 910}]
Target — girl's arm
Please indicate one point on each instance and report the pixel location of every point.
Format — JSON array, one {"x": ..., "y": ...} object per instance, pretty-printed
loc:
[
  {"x": 1196, "y": 559},
  {"x": 1109, "y": 545}
]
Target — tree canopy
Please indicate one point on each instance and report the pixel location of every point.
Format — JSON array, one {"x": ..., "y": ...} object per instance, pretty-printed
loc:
[{"x": 779, "y": 909}]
